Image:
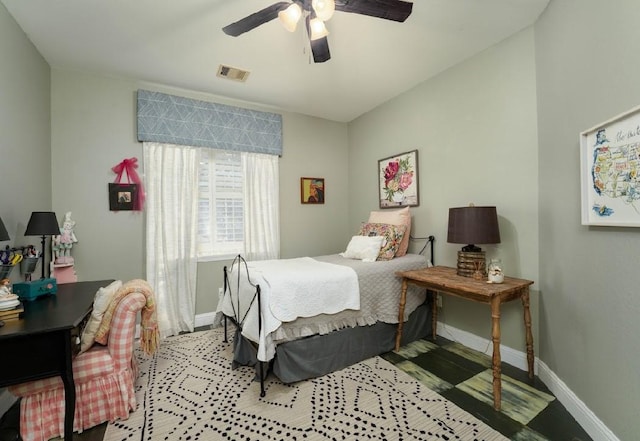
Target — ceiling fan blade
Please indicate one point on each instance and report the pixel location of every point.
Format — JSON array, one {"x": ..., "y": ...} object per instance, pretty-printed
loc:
[
  {"x": 396, "y": 10},
  {"x": 256, "y": 19},
  {"x": 320, "y": 50}
]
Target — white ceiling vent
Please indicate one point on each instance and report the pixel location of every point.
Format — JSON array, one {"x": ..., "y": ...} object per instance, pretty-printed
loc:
[{"x": 232, "y": 73}]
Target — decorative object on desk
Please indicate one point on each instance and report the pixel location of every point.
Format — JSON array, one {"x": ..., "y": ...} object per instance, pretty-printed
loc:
[
  {"x": 398, "y": 180},
  {"x": 42, "y": 223},
  {"x": 10, "y": 307},
  {"x": 62, "y": 243},
  {"x": 609, "y": 172},
  {"x": 478, "y": 273},
  {"x": 8, "y": 260},
  {"x": 472, "y": 225},
  {"x": 129, "y": 195},
  {"x": 5, "y": 289},
  {"x": 495, "y": 273},
  {"x": 34, "y": 289},
  {"x": 312, "y": 190},
  {"x": 29, "y": 261},
  {"x": 11, "y": 310},
  {"x": 5, "y": 270},
  {"x": 28, "y": 266}
]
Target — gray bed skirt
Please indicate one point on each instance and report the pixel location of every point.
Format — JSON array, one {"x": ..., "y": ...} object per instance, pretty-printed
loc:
[{"x": 318, "y": 355}]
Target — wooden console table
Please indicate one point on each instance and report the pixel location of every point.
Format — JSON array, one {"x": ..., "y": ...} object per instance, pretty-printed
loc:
[{"x": 441, "y": 279}]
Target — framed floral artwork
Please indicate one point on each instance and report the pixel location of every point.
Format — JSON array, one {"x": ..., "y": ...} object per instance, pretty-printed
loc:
[
  {"x": 398, "y": 180},
  {"x": 312, "y": 190}
]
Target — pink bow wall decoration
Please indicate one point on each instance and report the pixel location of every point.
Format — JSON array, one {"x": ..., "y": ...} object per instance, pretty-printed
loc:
[{"x": 128, "y": 167}]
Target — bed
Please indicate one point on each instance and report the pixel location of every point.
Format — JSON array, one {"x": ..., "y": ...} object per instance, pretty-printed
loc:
[{"x": 294, "y": 340}]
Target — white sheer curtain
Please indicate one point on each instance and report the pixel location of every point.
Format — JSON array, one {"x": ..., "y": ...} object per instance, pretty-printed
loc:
[
  {"x": 171, "y": 178},
  {"x": 261, "y": 206}
]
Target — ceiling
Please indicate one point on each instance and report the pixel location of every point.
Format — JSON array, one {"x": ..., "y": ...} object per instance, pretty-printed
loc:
[{"x": 180, "y": 43}]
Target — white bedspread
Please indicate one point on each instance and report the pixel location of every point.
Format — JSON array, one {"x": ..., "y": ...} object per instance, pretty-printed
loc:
[
  {"x": 305, "y": 287},
  {"x": 290, "y": 288}
]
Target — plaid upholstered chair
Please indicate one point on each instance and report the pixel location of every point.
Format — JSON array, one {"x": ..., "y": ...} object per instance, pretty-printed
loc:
[{"x": 104, "y": 379}]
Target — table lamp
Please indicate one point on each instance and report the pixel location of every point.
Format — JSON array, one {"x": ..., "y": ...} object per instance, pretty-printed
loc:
[
  {"x": 42, "y": 223},
  {"x": 473, "y": 225},
  {"x": 4, "y": 235}
]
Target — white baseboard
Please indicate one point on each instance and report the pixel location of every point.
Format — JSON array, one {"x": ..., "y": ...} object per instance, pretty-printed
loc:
[
  {"x": 200, "y": 320},
  {"x": 583, "y": 415},
  {"x": 591, "y": 424},
  {"x": 204, "y": 319},
  {"x": 507, "y": 354},
  {"x": 6, "y": 400}
]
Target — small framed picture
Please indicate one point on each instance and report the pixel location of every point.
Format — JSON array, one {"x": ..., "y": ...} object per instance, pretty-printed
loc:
[
  {"x": 122, "y": 196},
  {"x": 312, "y": 190}
]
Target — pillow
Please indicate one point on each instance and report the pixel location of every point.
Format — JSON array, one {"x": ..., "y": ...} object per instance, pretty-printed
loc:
[
  {"x": 392, "y": 237},
  {"x": 365, "y": 248},
  {"x": 395, "y": 217},
  {"x": 100, "y": 304}
]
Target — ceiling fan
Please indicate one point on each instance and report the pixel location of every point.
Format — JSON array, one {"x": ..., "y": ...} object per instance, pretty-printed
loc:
[{"x": 315, "y": 13}]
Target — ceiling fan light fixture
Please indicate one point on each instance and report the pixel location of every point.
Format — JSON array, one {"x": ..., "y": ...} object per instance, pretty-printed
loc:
[
  {"x": 318, "y": 29},
  {"x": 324, "y": 9},
  {"x": 290, "y": 17}
]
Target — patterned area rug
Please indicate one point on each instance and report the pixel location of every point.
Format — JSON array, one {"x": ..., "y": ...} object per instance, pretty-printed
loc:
[{"x": 188, "y": 391}]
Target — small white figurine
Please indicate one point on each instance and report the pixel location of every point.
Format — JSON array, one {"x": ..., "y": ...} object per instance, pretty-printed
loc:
[
  {"x": 5, "y": 288},
  {"x": 63, "y": 243}
]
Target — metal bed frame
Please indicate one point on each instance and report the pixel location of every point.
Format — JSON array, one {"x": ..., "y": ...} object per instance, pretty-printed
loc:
[{"x": 239, "y": 321}]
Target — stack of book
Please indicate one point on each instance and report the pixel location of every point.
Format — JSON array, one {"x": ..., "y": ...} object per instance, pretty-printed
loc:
[{"x": 10, "y": 308}]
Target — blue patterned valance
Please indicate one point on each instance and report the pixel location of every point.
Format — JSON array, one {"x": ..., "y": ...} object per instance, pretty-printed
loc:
[{"x": 184, "y": 121}]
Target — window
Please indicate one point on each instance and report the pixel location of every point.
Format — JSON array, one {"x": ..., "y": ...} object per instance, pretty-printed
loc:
[{"x": 220, "y": 204}]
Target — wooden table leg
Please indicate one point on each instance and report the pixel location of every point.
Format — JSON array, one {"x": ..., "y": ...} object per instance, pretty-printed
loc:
[
  {"x": 527, "y": 326},
  {"x": 69, "y": 389},
  {"x": 434, "y": 316},
  {"x": 403, "y": 300},
  {"x": 496, "y": 361}
]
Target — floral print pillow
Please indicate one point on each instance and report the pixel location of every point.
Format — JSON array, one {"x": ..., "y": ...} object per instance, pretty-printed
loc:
[{"x": 392, "y": 234}]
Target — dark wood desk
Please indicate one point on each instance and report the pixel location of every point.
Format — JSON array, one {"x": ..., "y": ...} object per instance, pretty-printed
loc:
[
  {"x": 43, "y": 343},
  {"x": 441, "y": 279}
]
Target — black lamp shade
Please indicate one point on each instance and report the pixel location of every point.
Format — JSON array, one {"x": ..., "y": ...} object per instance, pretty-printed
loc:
[
  {"x": 42, "y": 223},
  {"x": 473, "y": 225},
  {"x": 3, "y": 232}
]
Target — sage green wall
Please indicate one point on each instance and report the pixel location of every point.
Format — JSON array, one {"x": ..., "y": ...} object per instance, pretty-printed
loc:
[
  {"x": 25, "y": 136},
  {"x": 474, "y": 127},
  {"x": 587, "y": 69},
  {"x": 25, "y": 133},
  {"x": 94, "y": 128}
]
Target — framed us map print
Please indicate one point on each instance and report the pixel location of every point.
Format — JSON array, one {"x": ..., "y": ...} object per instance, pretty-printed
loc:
[{"x": 610, "y": 172}]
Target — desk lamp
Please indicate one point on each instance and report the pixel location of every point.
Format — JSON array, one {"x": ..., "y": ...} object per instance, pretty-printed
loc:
[
  {"x": 473, "y": 225},
  {"x": 42, "y": 223}
]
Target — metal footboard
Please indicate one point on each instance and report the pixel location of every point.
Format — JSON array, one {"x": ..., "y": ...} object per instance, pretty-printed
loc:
[{"x": 236, "y": 319}]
